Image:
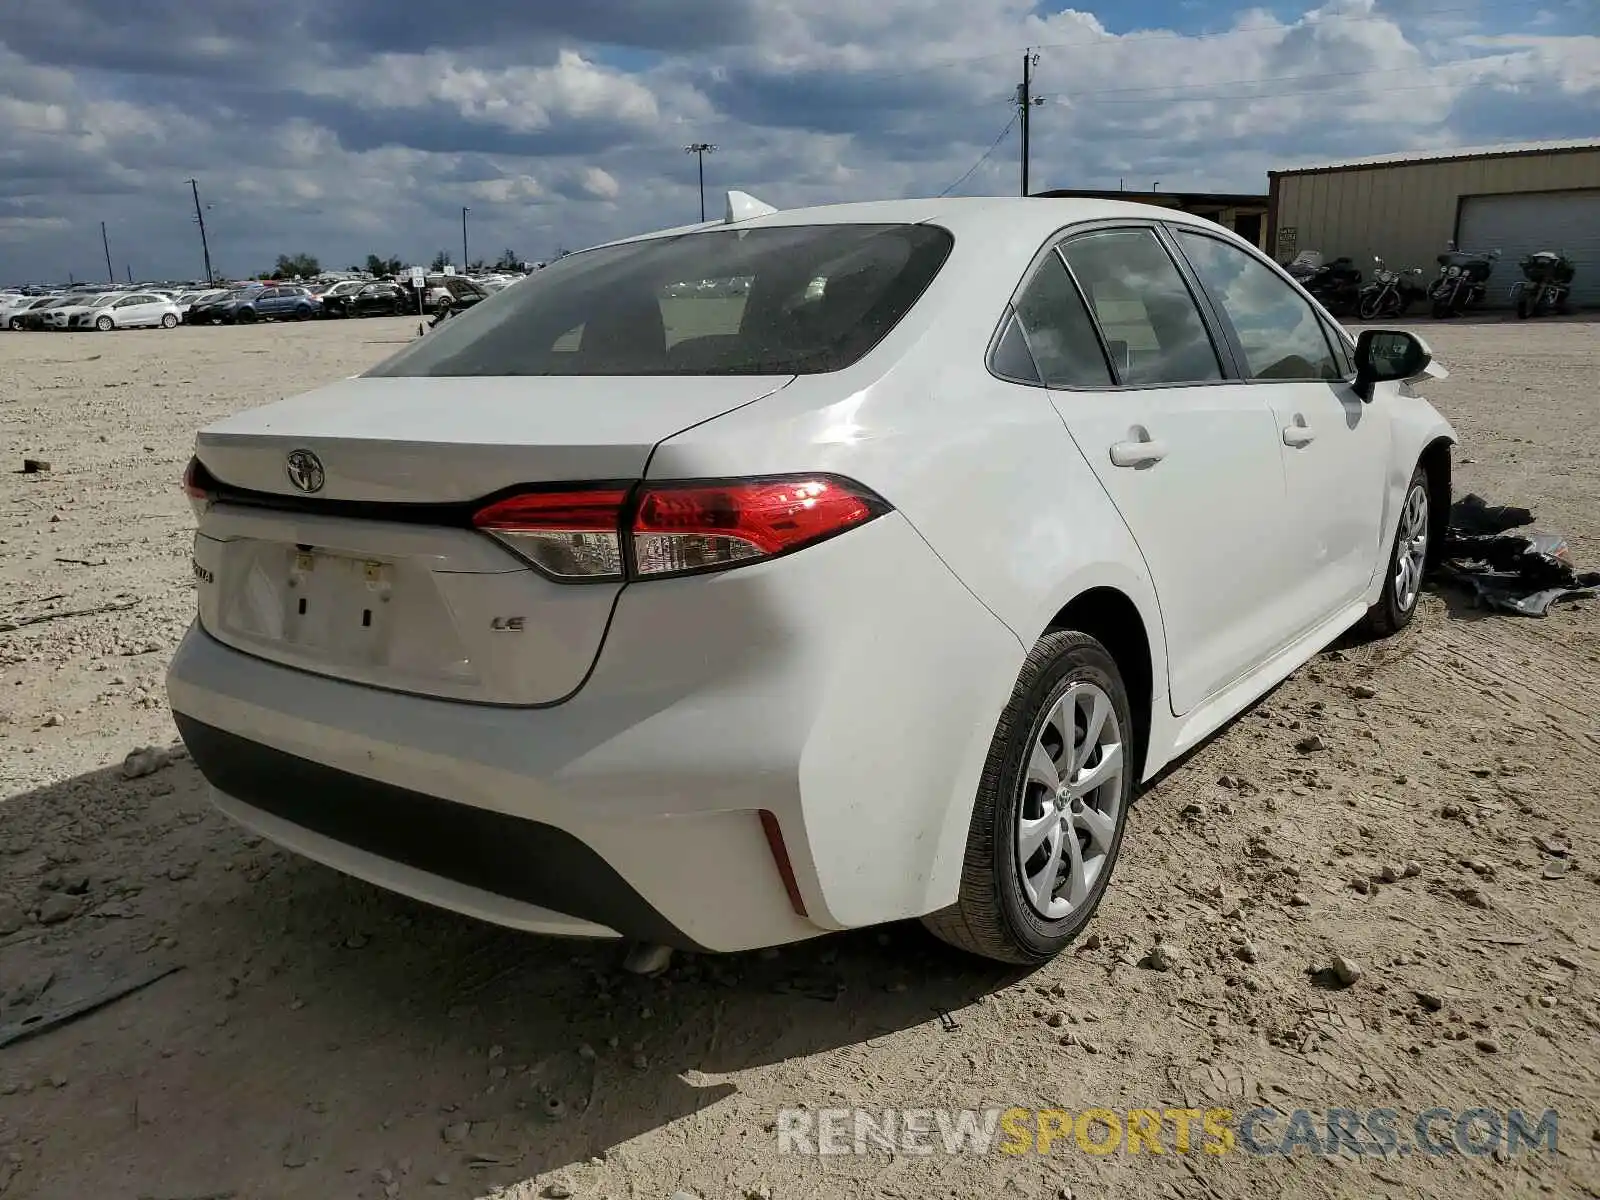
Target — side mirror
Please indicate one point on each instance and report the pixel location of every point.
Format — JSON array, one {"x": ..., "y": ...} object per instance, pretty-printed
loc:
[{"x": 1386, "y": 355}]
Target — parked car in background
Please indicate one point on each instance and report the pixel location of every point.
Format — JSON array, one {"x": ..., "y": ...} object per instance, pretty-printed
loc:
[
  {"x": 686, "y": 617},
  {"x": 141, "y": 310},
  {"x": 367, "y": 300},
  {"x": 31, "y": 315},
  {"x": 332, "y": 290},
  {"x": 187, "y": 300},
  {"x": 61, "y": 317},
  {"x": 222, "y": 308},
  {"x": 286, "y": 302}
]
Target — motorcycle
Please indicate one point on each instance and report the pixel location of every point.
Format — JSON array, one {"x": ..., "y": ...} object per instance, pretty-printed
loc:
[
  {"x": 1336, "y": 285},
  {"x": 1463, "y": 280},
  {"x": 1391, "y": 293},
  {"x": 1545, "y": 285}
]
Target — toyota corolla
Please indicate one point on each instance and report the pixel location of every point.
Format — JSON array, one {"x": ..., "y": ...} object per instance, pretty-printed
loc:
[{"x": 799, "y": 571}]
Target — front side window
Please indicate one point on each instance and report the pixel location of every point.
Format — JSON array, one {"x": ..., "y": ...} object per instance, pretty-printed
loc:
[
  {"x": 780, "y": 300},
  {"x": 1277, "y": 328},
  {"x": 1059, "y": 331},
  {"x": 1152, "y": 329}
]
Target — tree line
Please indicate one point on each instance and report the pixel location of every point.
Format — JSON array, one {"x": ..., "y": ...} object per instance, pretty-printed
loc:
[{"x": 306, "y": 266}]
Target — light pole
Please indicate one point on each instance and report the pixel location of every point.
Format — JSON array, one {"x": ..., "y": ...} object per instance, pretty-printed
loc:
[
  {"x": 464, "y": 211},
  {"x": 106, "y": 242},
  {"x": 200, "y": 216},
  {"x": 700, "y": 150}
]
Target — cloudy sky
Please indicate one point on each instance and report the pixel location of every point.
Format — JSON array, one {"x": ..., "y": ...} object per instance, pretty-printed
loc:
[{"x": 348, "y": 127}]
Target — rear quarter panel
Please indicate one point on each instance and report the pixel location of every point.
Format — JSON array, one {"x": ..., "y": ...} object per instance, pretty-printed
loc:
[{"x": 982, "y": 469}]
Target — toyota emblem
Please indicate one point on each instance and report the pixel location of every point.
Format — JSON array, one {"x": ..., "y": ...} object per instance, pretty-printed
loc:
[{"x": 305, "y": 471}]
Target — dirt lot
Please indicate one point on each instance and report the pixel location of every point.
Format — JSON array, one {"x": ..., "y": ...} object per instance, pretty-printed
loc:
[{"x": 324, "y": 1039}]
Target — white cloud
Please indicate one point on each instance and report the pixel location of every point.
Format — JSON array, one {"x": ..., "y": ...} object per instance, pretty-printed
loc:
[{"x": 600, "y": 184}]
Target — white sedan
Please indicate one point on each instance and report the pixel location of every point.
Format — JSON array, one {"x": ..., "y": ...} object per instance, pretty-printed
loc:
[{"x": 869, "y": 588}]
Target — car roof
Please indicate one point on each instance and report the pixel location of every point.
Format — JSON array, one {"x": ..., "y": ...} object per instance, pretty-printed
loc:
[{"x": 1017, "y": 217}]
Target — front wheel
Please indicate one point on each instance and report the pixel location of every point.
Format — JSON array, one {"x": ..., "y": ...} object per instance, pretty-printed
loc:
[
  {"x": 1371, "y": 306},
  {"x": 1051, "y": 807},
  {"x": 169, "y": 321},
  {"x": 1408, "y": 561},
  {"x": 105, "y": 324}
]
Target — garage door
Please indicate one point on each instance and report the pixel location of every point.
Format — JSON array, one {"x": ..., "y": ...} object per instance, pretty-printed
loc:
[{"x": 1567, "y": 222}]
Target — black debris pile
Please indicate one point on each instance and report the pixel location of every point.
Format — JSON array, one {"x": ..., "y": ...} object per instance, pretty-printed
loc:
[{"x": 1522, "y": 573}]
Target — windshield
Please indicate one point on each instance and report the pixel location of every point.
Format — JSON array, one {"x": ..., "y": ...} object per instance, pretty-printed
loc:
[{"x": 780, "y": 300}]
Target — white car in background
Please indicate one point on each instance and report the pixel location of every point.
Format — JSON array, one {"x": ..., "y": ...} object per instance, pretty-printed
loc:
[
  {"x": 724, "y": 617},
  {"x": 66, "y": 316},
  {"x": 139, "y": 310}
]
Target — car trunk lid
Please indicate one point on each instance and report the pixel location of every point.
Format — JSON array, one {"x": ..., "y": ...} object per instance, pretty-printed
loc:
[{"x": 364, "y": 566}]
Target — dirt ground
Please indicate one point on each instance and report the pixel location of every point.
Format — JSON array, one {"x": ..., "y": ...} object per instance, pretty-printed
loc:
[{"x": 324, "y": 1039}]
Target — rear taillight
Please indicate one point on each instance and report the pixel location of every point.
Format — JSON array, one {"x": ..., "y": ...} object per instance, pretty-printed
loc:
[
  {"x": 569, "y": 535},
  {"x": 193, "y": 486},
  {"x": 674, "y": 528}
]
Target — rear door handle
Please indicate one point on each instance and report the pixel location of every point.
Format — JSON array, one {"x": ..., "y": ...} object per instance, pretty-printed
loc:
[
  {"x": 1138, "y": 454},
  {"x": 1298, "y": 434}
]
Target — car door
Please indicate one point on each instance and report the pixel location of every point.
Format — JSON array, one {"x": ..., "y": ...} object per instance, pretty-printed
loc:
[
  {"x": 138, "y": 311},
  {"x": 1334, "y": 447},
  {"x": 1188, "y": 456}
]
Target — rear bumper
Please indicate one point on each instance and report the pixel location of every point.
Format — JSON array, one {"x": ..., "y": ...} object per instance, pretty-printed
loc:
[
  {"x": 850, "y": 690},
  {"x": 515, "y": 871}
]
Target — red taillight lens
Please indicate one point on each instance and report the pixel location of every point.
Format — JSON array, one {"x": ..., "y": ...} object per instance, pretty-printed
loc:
[
  {"x": 570, "y": 535},
  {"x": 192, "y": 487},
  {"x": 698, "y": 527},
  {"x": 676, "y": 528}
]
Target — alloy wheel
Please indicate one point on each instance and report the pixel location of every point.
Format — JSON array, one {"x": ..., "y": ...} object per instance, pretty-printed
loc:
[
  {"x": 1411, "y": 548},
  {"x": 1071, "y": 800}
]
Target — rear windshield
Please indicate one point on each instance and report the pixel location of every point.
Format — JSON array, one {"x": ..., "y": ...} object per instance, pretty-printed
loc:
[{"x": 788, "y": 300}]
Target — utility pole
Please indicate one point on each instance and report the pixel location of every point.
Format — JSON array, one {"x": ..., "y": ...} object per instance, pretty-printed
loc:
[
  {"x": 1026, "y": 102},
  {"x": 700, "y": 150},
  {"x": 464, "y": 211},
  {"x": 104, "y": 241},
  {"x": 200, "y": 216}
]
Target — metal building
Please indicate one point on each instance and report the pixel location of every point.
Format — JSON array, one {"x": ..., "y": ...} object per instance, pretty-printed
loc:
[{"x": 1406, "y": 207}]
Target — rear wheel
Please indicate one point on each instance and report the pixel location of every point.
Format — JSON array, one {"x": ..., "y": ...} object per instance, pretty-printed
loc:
[
  {"x": 1048, "y": 820},
  {"x": 1408, "y": 561}
]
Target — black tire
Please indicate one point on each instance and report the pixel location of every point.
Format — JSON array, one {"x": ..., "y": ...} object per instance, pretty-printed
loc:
[
  {"x": 303, "y": 313},
  {"x": 992, "y": 916},
  {"x": 1525, "y": 305},
  {"x": 105, "y": 324},
  {"x": 1371, "y": 307},
  {"x": 168, "y": 321},
  {"x": 1393, "y": 611}
]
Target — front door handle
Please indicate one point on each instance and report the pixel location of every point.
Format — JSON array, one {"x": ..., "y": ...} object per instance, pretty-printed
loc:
[
  {"x": 1298, "y": 434},
  {"x": 1144, "y": 453}
]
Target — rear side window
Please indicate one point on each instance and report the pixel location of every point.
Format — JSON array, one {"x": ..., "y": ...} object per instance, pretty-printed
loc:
[
  {"x": 779, "y": 300},
  {"x": 1151, "y": 326},
  {"x": 1277, "y": 328},
  {"x": 1059, "y": 331}
]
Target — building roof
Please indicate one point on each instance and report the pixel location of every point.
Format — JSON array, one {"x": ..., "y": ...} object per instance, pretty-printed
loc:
[
  {"x": 1504, "y": 150},
  {"x": 1195, "y": 199}
]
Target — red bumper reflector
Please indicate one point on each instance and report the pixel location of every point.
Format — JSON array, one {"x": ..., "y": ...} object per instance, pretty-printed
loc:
[{"x": 780, "y": 855}]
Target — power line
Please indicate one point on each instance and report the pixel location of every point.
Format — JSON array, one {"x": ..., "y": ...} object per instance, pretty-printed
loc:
[{"x": 984, "y": 157}]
